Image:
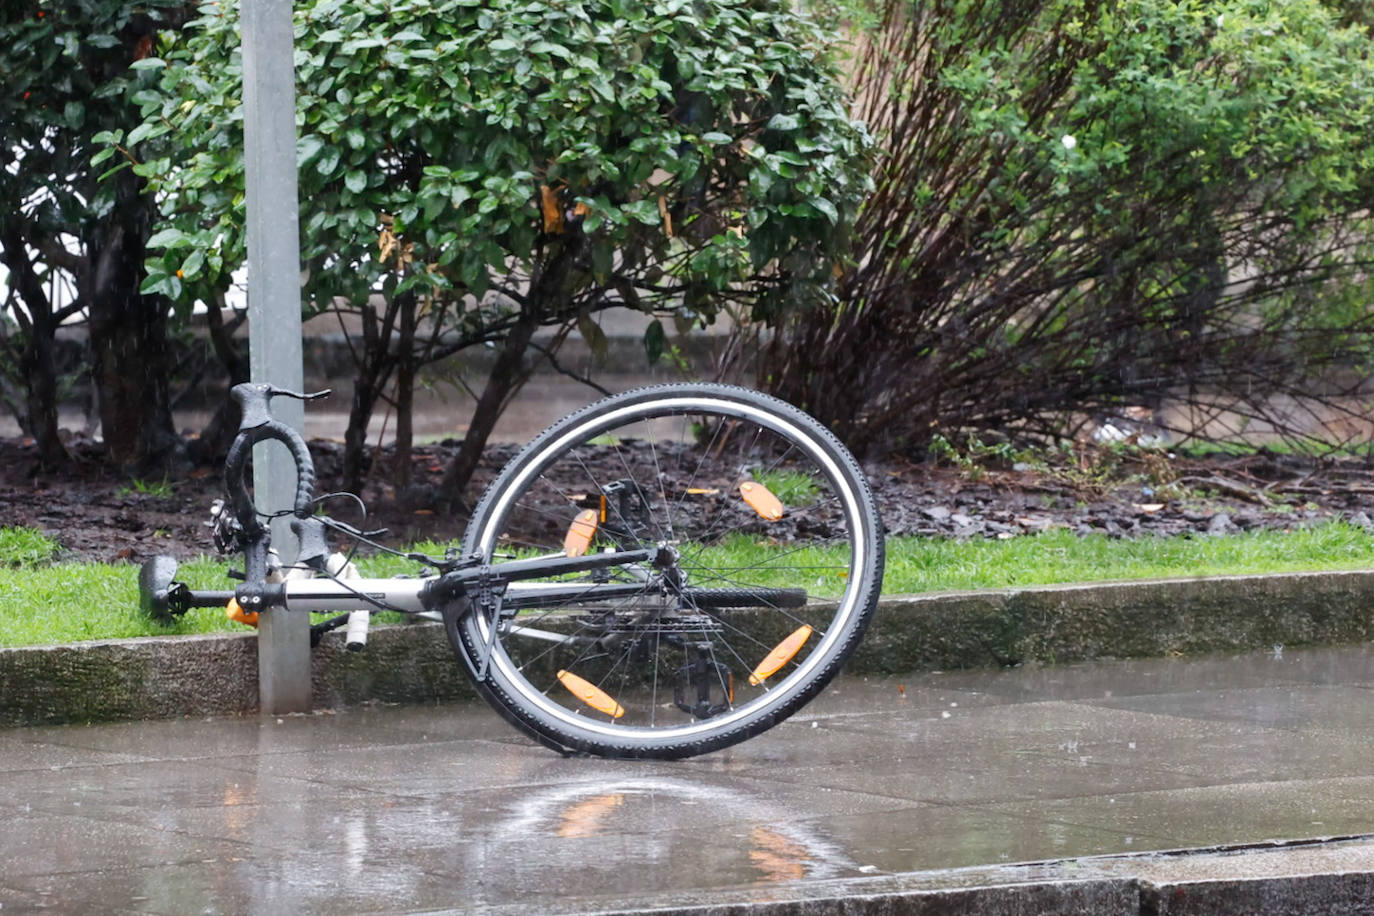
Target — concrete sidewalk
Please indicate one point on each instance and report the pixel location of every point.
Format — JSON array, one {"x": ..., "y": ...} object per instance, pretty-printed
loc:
[{"x": 915, "y": 795}]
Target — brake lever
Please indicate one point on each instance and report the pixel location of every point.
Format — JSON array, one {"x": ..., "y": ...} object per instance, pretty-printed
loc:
[{"x": 273, "y": 392}]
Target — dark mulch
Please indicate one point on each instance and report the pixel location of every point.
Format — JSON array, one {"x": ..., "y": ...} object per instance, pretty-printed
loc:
[{"x": 95, "y": 512}]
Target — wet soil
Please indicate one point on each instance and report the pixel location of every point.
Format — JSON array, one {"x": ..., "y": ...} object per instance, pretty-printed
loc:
[{"x": 97, "y": 513}]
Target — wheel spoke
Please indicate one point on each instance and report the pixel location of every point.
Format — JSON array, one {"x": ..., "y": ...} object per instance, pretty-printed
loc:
[{"x": 754, "y": 591}]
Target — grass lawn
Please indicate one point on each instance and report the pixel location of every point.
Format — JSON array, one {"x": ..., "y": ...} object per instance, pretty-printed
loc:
[{"x": 46, "y": 602}]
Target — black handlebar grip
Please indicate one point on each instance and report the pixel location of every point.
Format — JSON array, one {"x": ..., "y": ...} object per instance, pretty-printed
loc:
[
  {"x": 305, "y": 471},
  {"x": 236, "y": 469}
]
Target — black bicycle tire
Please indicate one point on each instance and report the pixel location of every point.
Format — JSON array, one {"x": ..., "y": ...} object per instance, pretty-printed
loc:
[{"x": 465, "y": 630}]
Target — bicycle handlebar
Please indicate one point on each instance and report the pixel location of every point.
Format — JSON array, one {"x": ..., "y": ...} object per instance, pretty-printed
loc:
[
  {"x": 255, "y": 401},
  {"x": 258, "y": 425}
]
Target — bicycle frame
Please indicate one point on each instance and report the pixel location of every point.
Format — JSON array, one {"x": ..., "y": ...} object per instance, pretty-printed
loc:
[
  {"x": 500, "y": 589},
  {"x": 503, "y": 584},
  {"x": 426, "y": 596}
]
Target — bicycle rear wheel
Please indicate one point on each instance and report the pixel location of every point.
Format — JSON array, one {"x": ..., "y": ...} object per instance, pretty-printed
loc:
[{"x": 768, "y": 561}]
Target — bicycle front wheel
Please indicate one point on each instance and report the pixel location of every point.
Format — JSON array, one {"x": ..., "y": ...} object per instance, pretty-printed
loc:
[{"x": 766, "y": 565}]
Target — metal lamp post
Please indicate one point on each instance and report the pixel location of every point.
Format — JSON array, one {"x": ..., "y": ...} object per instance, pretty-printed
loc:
[{"x": 274, "y": 314}]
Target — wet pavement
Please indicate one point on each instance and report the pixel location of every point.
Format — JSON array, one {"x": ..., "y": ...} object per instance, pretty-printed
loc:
[{"x": 404, "y": 809}]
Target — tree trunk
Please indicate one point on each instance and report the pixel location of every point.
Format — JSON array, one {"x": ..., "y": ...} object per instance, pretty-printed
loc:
[
  {"x": 131, "y": 378},
  {"x": 550, "y": 288},
  {"x": 129, "y": 338},
  {"x": 355, "y": 437},
  {"x": 508, "y": 373},
  {"x": 406, "y": 366},
  {"x": 38, "y": 367},
  {"x": 375, "y": 363},
  {"x": 36, "y": 364},
  {"x": 217, "y": 434}
]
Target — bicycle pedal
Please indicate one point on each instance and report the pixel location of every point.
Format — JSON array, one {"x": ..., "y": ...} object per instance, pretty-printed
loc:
[{"x": 158, "y": 589}]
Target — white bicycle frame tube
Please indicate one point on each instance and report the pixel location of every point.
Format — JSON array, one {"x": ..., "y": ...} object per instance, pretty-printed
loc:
[{"x": 338, "y": 596}]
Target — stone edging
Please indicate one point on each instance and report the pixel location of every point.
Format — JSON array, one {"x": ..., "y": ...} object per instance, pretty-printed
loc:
[
  {"x": 1308, "y": 876},
  {"x": 160, "y": 677}
]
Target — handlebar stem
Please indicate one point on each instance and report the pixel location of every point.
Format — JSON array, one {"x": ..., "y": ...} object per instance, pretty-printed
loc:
[{"x": 254, "y": 399}]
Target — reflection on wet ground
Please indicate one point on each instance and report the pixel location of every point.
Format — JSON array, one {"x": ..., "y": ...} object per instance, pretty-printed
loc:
[{"x": 401, "y": 809}]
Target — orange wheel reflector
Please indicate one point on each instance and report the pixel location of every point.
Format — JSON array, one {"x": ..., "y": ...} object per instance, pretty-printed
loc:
[
  {"x": 590, "y": 694},
  {"x": 239, "y": 615},
  {"x": 782, "y": 654},
  {"x": 761, "y": 500},
  {"x": 580, "y": 533}
]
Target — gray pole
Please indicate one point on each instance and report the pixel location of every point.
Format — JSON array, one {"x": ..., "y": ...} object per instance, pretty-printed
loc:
[{"x": 274, "y": 315}]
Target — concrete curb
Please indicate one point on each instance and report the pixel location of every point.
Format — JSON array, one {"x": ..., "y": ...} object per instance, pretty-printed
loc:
[
  {"x": 1150, "y": 618},
  {"x": 216, "y": 675},
  {"x": 166, "y": 676},
  {"x": 1299, "y": 878}
]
